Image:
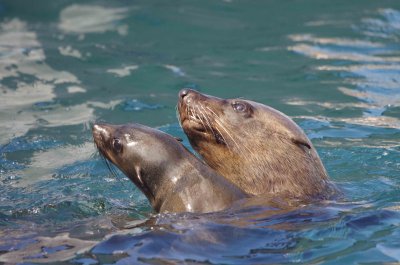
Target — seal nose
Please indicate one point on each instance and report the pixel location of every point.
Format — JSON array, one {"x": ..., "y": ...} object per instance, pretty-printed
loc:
[
  {"x": 100, "y": 132},
  {"x": 97, "y": 128},
  {"x": 183, "y": 93}
]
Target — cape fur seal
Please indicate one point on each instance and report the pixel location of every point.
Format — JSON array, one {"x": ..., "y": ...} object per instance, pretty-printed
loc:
[
  {"x": 256, "y": 147},
  {"x": 171, "y": 177}
]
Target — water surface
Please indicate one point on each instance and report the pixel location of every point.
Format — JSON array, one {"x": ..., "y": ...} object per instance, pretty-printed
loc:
[{"x": 334, "y": 66}]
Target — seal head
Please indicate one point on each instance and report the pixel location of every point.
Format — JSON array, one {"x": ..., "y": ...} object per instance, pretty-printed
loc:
[
  {"x": 258, "y": 148},
  {"x": 171, "y": 177}
]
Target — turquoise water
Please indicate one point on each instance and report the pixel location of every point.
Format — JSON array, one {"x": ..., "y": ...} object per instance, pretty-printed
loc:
[{"x": 334, "y": 66}]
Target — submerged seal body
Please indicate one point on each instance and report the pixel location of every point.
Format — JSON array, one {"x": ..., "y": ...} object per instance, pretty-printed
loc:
[
  {"x": 171, "y": 177},
  {"x": 256, "y": 147}
]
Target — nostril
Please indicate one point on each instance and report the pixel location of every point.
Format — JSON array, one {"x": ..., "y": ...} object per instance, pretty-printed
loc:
[{"x": 183, "y": 93}]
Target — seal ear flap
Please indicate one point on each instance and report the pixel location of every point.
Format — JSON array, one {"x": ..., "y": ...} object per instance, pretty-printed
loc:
[
  {"x": 138, "y": 175},
  {"x": 178, "y": 139},
  {"x": 301, "y": 143}
]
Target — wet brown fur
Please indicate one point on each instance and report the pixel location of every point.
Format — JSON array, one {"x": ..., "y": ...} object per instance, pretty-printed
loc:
[{"x": 261, "y": 150}]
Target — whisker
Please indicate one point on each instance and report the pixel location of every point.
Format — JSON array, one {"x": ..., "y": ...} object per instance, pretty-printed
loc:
[
  {"x": 222, "y": 135},
  {"x": 201, "y": 120},
  {"x": 192, "y": 114},
  {"x": 178, "y": 116},
  {"x": 230, "y": 136},
  {"x": 244, "y": 145},
  {"x": 111, "y": 168},
  {"x": 216, "y": 128},
  {"x": 217, "y": 120}
]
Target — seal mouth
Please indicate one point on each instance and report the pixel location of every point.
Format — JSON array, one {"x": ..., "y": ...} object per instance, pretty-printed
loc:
[
  {"x": 189, "y": 116},
  {"x": 193, "y": 121},
  {"x": 196, "y": 118}
]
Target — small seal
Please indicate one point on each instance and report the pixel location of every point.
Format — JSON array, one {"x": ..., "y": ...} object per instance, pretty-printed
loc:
[
  {"x": 258, "y": 148},
  {"x": 171, "y": 177}
]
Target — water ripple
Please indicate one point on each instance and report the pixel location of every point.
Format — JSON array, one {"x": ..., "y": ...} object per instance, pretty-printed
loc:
[
  {"x": 80, "y": 19},
  {"x": 136, "y": 105},
  {"x": 371, "y": 69},
  {"x": 71, "y": 63}
]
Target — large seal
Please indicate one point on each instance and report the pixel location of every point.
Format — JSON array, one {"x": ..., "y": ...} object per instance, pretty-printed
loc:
[
  {"x": 256, "y": 147},
  {"x": 171, "y": 177}
]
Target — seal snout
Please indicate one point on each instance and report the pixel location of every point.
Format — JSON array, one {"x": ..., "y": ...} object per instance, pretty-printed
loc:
[
  {"x": 191, "y": 109},
  {"x": 183, "y": 93},
  {"x": 101, "y": 133},
  {"x": 186, "y": 95}
]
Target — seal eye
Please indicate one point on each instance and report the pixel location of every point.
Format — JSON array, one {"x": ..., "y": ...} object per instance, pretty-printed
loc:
[
  {"x": 117, "y": 145},
  {"x": 239, "y": 106}
]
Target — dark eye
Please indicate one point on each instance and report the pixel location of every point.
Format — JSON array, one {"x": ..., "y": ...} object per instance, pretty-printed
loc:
[
  {"x": 117, "y": 145},
  {"x": 239, "y": 106}
]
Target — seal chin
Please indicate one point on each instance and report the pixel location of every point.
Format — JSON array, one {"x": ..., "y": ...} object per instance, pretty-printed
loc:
[
  {"x": 196, "y": 119},
  {"x": 194, "y": 125}
]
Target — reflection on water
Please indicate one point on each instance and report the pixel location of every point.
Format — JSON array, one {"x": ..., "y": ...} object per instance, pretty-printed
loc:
[
  {"x": 46, "y": 249},
  {"x": 125, "y": 71},
  {"x": 387, "y": 26},
  {"x": 69, "y": 51},
  {"x": 81, "y": 19},
  {"x": 372, "y": 67},
  {"x": 26, "y": 79},
  {"x": 335, "y": 68}
]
